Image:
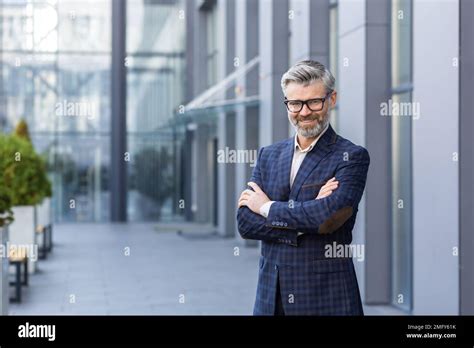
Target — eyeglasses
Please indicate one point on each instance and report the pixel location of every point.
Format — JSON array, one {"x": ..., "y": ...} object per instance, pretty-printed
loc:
[{"x": 316, "y": 104}]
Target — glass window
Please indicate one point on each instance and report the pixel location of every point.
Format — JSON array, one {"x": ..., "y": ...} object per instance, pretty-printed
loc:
[
  {"x": 401, "y": 118},
  {"x": 401, "y": 42},
  {"x": 212, "y": 51},
  {"x": 155, "y": 90},
  {"x": 55, "y": 58}
]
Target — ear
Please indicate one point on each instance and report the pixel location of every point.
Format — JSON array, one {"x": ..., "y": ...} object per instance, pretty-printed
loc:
[{"x": 333, "y": 99}]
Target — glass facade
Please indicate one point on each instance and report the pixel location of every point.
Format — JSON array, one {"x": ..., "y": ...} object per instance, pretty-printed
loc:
[
  {"x": 211, "y": 43},
  {"x": 56, "y": 61},
  {"x": 55, "y": 75},
  {"x": 155, "y": 80},
  {"x": 401, "y": 155}
]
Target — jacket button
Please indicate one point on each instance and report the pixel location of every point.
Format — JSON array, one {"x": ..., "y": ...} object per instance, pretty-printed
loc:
[{"x": 276, "y": 267}]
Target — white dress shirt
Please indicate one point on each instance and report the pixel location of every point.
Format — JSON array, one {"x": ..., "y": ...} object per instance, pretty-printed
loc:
[{"x": 299, "y": 155}]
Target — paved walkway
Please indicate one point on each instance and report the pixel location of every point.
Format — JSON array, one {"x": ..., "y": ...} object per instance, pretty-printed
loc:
[
  {"x": 88, "y": 272},
  {"x": 139, "y": 269}
]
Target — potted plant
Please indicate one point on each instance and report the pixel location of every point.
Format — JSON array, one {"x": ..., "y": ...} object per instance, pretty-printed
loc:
[{"x": 24, "y": 173}]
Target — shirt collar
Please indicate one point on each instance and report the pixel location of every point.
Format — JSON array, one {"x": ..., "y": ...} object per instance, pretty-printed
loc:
[{"x": 311, "y": 146}]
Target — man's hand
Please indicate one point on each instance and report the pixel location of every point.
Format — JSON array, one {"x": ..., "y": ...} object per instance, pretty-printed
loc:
[
  {"x": 327, "y": 189},
  {"x": 253, "y": 199}
]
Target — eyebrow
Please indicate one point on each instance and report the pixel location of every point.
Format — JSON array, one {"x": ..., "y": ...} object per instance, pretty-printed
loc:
[{"x": 305, "y": 99}]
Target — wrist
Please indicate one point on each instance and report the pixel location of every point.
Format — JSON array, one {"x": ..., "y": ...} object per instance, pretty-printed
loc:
[{"x": 265, "y": 208}]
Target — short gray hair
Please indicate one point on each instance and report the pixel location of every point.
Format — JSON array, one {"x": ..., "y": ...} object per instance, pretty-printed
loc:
[{"x": 307, "y": 72}]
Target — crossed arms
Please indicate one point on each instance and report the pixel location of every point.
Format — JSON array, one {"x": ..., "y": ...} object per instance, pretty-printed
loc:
[{"x": 320, "y": 216}]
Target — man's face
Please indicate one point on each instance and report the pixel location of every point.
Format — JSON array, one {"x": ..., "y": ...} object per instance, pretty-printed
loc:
[{"x": 308, "y": 123}]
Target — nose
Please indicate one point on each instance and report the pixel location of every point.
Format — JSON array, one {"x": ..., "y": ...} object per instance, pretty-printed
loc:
[{"x": 305, "y": 111}]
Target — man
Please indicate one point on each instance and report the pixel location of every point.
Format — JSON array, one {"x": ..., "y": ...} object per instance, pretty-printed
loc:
[{"x": 304, "y": 197}]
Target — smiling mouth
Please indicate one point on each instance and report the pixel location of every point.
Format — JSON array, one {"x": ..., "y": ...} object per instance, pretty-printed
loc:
[{"x": 306, "y": 121}]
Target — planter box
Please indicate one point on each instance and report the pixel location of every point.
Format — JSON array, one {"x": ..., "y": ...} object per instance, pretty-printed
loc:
[
  {"x": 44, "y": 212},
  {"x": 22, "y": 233},
  {"x": 43, "y": 217},
  {"x": 4, "y": 286}
]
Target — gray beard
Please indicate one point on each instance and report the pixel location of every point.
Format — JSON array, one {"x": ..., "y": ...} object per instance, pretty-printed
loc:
[{"x": 310, "y": 132}]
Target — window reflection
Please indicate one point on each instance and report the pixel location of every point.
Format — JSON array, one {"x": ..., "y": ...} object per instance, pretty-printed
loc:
[
  {"x": 155, "y": 90},
  {"x": 55, "y": 74}
]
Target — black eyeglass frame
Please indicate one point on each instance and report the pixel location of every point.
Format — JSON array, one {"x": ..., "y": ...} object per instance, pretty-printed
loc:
[{"x": 305, "y": 102}]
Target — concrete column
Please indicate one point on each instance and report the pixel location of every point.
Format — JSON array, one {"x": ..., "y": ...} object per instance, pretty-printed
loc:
[
  {"x": 436, "y": 204},
  {"x": 466, "y": 151},
  {"x": 246, "y": 127},
  {"x": 227, "y": 200},
  {"x": 202, "y": 184},
  {"x": 378, "y": 142},
  {"x": 274, "y": 61},
  {"x": 351, "y": 115},
  {"x": 196, "y": 43},
  {"x": 309, "y": 27},
  {"x": 187, "y": 174},
  {"x": 198, "y": 193},
  {"x": 118, "y": 169},
  {"x": 196, "y": 73},
  {"x": 191, "y": 14}
]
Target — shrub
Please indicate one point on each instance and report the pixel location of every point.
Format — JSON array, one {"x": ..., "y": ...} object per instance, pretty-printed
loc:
[
  {"x": 22, "y": 132},
  {"x": 23, "y": 171}
]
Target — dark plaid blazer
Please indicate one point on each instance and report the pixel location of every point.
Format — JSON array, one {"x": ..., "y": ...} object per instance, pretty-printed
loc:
[{"x": 293, "y": 249}]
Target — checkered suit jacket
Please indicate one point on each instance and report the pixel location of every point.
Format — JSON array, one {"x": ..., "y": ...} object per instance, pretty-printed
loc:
[{"x": 293, "y": 249}]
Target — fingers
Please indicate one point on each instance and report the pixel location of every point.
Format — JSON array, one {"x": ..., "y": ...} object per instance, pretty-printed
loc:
[
  {"x": 243, "y": 200},
  {"x": 323, "y": 195},
  {"x": 244, "y": 197},
  {"x": 246, "y": 194},
  {"x": 328, "y": 188},
  {"x": 255, "y": 187},
  {"x": 331, "y": 181}
]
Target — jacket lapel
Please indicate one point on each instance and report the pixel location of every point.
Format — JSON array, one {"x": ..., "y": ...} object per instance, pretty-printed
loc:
[{"x": 321, "y": 150}]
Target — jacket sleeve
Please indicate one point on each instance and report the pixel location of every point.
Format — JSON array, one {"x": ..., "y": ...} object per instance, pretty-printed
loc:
[
  {"x": 254, "y": 226},
  {"x": 308, "y": 216}
]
